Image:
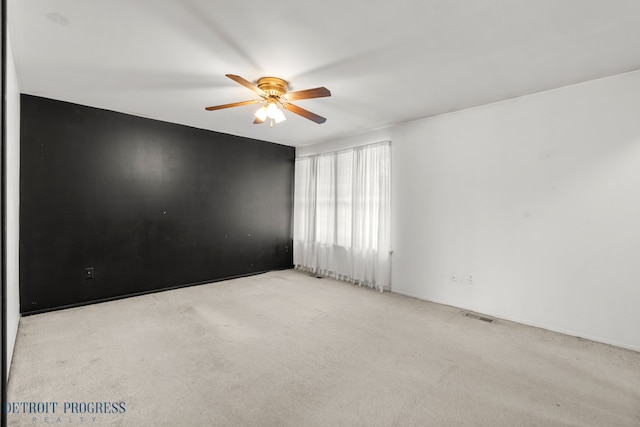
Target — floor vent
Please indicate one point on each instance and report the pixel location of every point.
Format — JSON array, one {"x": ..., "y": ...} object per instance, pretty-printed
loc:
[{"x": 477, "y": 316}]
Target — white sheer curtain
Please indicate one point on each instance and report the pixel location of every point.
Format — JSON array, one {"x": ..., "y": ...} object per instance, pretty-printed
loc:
[{"x": 342, "y": 215}]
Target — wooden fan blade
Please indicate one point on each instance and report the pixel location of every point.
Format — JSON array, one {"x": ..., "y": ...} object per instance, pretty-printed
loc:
[
  {"x": 246, "y": 84},
  {"x": 234, "y": 104},
  {"x": 257, "y": 121},
  {"x": 304, "y": 113},
  {"x": 318, "y": 92}
]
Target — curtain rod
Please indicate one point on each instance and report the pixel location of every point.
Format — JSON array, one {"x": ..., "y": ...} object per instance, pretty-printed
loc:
[{"x": 371, "y": 144}]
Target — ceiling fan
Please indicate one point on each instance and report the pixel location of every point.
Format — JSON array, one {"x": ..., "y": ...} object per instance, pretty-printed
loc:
[{"x": 273, "y": 94}]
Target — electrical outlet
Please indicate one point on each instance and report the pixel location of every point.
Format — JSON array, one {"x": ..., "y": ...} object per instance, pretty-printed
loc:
[
  {"x": 88, "y": 273},
  {"x": 470, "y": 279}
]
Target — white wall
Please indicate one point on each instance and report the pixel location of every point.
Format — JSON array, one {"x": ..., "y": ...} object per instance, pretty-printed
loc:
[
  {"x": 12, "y": 202},
  {"x": 538, "y": 198}
]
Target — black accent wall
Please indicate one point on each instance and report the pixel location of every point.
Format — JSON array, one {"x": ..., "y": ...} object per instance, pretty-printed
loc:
[{"x": 148, "y": 205}]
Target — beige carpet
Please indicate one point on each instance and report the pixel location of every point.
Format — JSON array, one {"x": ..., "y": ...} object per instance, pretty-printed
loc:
[{"x": 287, "y": 349}]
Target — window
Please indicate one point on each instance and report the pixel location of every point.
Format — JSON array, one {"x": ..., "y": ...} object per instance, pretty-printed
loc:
[{"x": 341, "y": 215}]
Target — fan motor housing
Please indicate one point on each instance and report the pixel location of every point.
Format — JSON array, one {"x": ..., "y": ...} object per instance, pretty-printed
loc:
[{"x": 273, "y": 86}]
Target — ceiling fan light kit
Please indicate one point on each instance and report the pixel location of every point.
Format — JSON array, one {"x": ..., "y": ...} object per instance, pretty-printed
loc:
[
  {"x": 273, "y": 94},
  {"x": 270, "y": 111}
]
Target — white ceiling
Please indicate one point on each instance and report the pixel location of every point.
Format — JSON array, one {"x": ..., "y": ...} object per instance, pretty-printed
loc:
[{"x": 385, "y": 62}]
